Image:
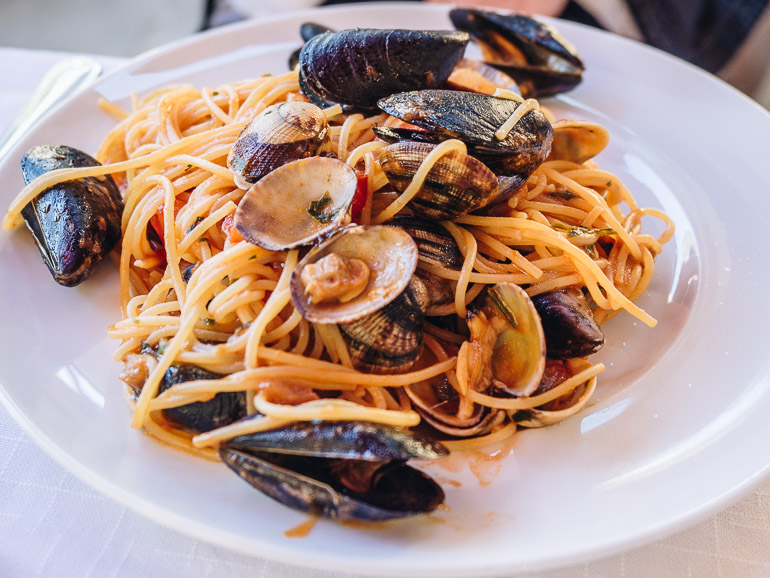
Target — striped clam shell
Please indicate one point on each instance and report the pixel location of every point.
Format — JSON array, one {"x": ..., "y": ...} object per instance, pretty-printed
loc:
[
  {"x": 389, "y": 340},
  {"x": 457, "y": 183}
]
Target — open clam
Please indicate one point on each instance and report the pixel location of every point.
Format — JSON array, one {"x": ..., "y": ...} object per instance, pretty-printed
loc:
[
  {"x": 281, "y": 133},
  {"x": 507, "y": 346},
  {"x": 379, "y": 312},
  {"x": 577, "y": 140},
  {"x": 297, "y": 203},
  {"x": 340, "y": 470}
]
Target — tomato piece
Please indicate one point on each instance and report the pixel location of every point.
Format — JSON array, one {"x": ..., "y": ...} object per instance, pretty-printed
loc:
[
  {"x": 229, "y": 229},
  {"x": 359, "y": 199}
]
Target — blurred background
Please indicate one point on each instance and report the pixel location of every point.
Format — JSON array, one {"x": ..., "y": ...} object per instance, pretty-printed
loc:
[{"x": 129, "y": 27}]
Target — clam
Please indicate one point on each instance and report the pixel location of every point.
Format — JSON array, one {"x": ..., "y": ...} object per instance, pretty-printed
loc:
[
  {"x": 568, "y": 323},
  {"x": 358, "y": 67},
  {"x": 281, "y": 133},
  {"x": 456, "y": 184},
  {"x": 390, "y": 257},
  {"x": 389, "y": 340},
  {"x": 297, "y": 203},
  {"x": 437, "y": 402},
  {"x": 75, "y": 223},
  {"x": 474, "y": 119},
  {"x": 577, "y": 140},
  {"x": 533, "y": 53},
  {"x": 561, "y": 408},
  {"x": 340, "y": 470},
  {"x": 507, "y": 342},
  {"x": 434, "y": 243}
]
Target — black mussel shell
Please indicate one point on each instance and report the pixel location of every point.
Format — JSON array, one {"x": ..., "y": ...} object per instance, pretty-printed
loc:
[
  {"x": 343, "y": 490},
  {"x": 75, "y": 223},
  {"x": 202, "y": 416},
  {"x": 533, "y": 53},
  {"x": 344, "y": 440},
  {"x": 568, "y": 323},
  {"x": 306, "y": 31},
  {"x": 474, "y": 118},
  {"x": 359, "y": 66}
]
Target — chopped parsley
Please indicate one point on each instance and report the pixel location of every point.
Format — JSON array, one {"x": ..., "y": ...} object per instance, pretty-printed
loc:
[{"x": 322, "y": 210}]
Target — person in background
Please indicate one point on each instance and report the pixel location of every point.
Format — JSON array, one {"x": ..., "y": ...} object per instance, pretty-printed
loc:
[{"x": 729, "y": 38}]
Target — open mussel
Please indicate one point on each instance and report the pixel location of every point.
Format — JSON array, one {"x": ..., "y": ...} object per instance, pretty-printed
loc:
[
  {"x": 75, "y": 223},
  {"x": 474, "y": 119},
  {"x": 358, "y": 67},
  {"x": 280, "y": 134},
  {"x": 297, "y": 203},
  {"x": 568, "y": 323},
  {"x": 456, "y": 184},
  {"x": 533, "y": 53},
  {"x": 475, "y": 76},
  {"x": 340, "y": 470}
]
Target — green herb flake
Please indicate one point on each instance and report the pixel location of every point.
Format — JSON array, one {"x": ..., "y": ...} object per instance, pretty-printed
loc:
[
  {"x": 216, "y": 92},
  {"x": 225, "y": 281},
  {"x": 195, "y": 224},
  {"x": 322, "y": 209},
  {"x": 188, "y": 167},
  {"x": 209, "y": 321},
  {"x": 499, "y": 300}
]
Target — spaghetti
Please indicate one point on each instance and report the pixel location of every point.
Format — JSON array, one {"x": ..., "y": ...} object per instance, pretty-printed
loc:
[{"x": 194, "y": 292}]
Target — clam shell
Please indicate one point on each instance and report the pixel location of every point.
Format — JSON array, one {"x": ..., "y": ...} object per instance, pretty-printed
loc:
[
  {"x": 391, "y": 256},
  {"x": 457, "y": 183},
  {"x": 297, "y": 203},
  {"x": 390, "y": 339},
  {"x": 281, "y": 133}
]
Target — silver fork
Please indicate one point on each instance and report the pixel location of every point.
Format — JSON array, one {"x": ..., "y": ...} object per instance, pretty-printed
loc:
[{"x": 62, "y": 80}]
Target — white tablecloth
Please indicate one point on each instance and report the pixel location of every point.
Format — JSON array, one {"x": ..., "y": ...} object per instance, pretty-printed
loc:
[{"x": 52, "y": 524}]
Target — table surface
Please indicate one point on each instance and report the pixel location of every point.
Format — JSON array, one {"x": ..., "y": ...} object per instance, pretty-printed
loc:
[{"x": 53, "y": 524}]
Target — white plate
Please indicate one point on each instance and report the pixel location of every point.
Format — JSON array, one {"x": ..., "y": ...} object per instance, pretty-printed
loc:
[{"x": 679, "y": 425}]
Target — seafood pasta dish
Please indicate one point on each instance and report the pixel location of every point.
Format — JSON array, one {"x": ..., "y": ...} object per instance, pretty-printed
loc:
[{"x": 388, "y": 253}]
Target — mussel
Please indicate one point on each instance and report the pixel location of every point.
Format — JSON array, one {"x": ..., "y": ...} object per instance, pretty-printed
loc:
[
  {"x": 507, "y": 345},
  {"x": 474, "y": 119},
  {"x": 358, "y": 67},
  {"x": 75, "y": 223},
  {"x": 202, "y": 416},
  {"x": 457, "y": 183},
  {"x": 297, "y": 203},
  {"x": 533, "y": 53},
  {"x": 280, "y": 134},
  {"x": 340, "y": 470},
  {"x": 568, "y": 323},
  {"x": 475, "y": 76}
]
